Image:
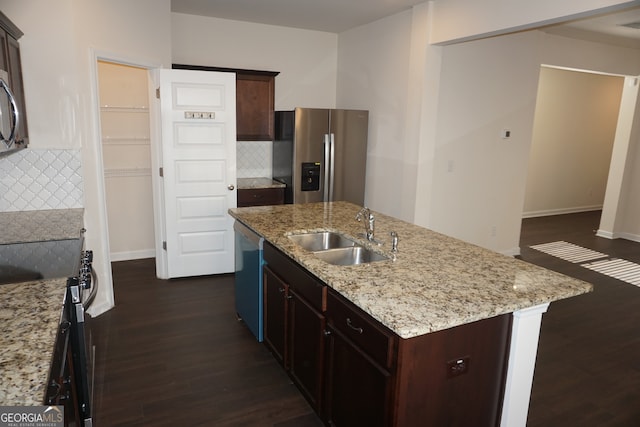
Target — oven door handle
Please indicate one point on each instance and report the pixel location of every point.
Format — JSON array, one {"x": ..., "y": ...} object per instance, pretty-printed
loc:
[{"x": 93, "y": 291}]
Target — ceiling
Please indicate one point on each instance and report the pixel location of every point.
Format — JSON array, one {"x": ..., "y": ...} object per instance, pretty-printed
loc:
[
  {"x": 336, "y": 16},
  {"x": 333, "y": 16}
]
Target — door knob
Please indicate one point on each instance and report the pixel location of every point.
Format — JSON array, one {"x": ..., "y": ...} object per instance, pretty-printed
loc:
[{"x": 231, "y": 187}]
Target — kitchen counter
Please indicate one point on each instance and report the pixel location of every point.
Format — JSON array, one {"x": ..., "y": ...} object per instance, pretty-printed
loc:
[
  {"x": 29, "y": 315},
  {"x": 258, "y": 183},
  {"x": 30, "y": 311},
  {"x": 436, "y": 281}
]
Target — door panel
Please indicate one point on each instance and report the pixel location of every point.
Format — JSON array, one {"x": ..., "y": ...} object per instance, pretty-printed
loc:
[
  {"x": 311, "y": 127},
  {"x": 350, "y": 129},
  {"x": 199, "y": 164}
]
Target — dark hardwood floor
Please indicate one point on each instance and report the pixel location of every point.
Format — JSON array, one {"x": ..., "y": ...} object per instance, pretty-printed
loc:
[
  {"x": 588, "y": 366},
  {"x": 171, "y": 353}
]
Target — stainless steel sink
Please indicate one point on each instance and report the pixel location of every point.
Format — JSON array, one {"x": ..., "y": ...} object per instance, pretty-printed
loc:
[
  {"x": 350, "y": 256},
  {"x": 322, "y": 241}
]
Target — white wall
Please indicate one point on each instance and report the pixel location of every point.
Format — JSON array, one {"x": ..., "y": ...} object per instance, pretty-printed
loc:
[
  {"x": 58, "y": 59},
  {"x": 630, "y": 213},
  {"x": 486, "y": 85},
  {"x": 469, "y": 183},
  {"x": 306, "y": 60},
  {"x": 622, "y": 204},
  {"x": 478, "y": 177},
  {"x": 574, "y": 128},
  {"x": 373, "y": 74}
]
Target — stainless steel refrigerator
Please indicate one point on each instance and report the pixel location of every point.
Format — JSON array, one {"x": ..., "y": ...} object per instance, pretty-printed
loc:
[{"x": 321, "y": 154}]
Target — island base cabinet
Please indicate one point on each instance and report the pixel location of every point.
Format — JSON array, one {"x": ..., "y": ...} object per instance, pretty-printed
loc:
[
  {"x": 294, "y": 324},
  {"x": 357, "y": 389},
  {"x": 454, "y": 377},
  {"x": 354, "y": 371}
]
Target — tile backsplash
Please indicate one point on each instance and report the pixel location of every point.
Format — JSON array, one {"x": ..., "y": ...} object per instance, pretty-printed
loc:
[
  {"x": 254, "y": 159},
  {"x": 41, "y": 179},
  {"x": 52, "y": 179}
]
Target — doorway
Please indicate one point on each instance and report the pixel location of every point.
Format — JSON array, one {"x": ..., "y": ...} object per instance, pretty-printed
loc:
[
  {"x": 574, "y": 130},
  {"x": 126, "y": 155}
]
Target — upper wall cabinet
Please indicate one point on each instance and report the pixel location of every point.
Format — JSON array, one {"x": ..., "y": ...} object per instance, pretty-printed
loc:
[
  {"x": 254, "y": 101},
  {"x": 10, "y": 62},
  {"x": 254, "y": 105}
]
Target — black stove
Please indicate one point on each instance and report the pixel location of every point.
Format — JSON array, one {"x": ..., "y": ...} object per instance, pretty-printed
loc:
[{"x": 21, "y": 262}]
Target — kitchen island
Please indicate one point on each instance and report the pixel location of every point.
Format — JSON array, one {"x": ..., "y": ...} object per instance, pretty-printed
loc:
[{"x": 434, "y": 283}]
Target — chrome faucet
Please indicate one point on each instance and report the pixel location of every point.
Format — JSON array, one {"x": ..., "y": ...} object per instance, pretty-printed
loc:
[
  {"x": 369, "y": 222},
  {"x": 394, "y": 242}
]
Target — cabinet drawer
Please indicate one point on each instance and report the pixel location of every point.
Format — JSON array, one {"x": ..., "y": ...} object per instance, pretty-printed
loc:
[
  {"x": 359, "y": 327},
  {"x": 260, "y": 197},
  {"x": 298, "y": 279}
]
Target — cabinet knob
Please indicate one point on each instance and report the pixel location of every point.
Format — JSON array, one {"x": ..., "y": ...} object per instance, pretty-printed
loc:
[{"x": 326, "y": 332}]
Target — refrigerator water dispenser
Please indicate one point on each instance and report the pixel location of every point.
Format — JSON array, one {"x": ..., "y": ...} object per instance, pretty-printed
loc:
[{"x": 310, "y": 177}]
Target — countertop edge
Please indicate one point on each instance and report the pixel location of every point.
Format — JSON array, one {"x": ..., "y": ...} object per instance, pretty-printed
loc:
[{"x": 567, "y": 286}]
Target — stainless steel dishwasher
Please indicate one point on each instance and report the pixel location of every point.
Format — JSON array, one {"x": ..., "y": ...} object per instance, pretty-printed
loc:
[{"x": 248, "y": 278}]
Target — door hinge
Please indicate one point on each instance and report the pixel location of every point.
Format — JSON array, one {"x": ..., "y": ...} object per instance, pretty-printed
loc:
[
  {"x": 158, "y": 93},
  {"x": 164, "y": 245},
  {"x": 162, "y": 172}
]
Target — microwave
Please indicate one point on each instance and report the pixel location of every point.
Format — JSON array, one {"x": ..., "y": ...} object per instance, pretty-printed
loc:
[{"x": 9, "y": 118}]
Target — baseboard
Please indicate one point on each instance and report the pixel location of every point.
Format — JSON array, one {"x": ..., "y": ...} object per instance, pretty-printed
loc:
[
  {"x": 130, "y": 255},
  {"x": 563, "y": 211},
  {"x": 621, "y": 235},
  {"x": 605, "y": 234}
]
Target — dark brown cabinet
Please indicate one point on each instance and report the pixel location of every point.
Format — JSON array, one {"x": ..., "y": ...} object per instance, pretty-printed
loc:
[
  {"x": 358, "y": 386},
  {"x": 294, "y": 324},
  {"x": 260, "y": 196},
  {"x": 355, "y": 371},
  {"x": 306, "y": 348},
  {"x": 10, "y": 62},
  {"x": 255, "y": 93}
]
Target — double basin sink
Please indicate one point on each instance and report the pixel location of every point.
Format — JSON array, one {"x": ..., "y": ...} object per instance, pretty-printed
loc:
[{"x": 335, "y": 248}]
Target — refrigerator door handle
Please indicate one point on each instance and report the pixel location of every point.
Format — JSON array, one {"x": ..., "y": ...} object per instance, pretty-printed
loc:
[
  {"x": 332, "y": 166},
  {"x": 327, "y": 166}
]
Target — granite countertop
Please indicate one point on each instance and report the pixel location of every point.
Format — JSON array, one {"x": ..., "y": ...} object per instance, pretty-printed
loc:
[
  {"x": 435, "y": 282},
  {"x": 29, "y": 314},
  {"x": 258, "y": 183},
  {"x": 30, "y": 311}
]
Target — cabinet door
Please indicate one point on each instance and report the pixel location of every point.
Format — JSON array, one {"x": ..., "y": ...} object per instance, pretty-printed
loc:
[
  {"x": 254, "y": 106},
  {"x": 306, "y": 348},
  {"x": 276, "y": 294},
  {"x": 357, "y": 388}
]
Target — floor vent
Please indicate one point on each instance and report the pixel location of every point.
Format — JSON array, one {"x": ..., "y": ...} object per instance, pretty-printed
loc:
[
  {"x": 620, "y": 269},
  {"x": 569, "y": 252}
]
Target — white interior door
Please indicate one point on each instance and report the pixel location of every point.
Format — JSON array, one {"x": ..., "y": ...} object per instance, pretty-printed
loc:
[{"x": 198, "y": 110}]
